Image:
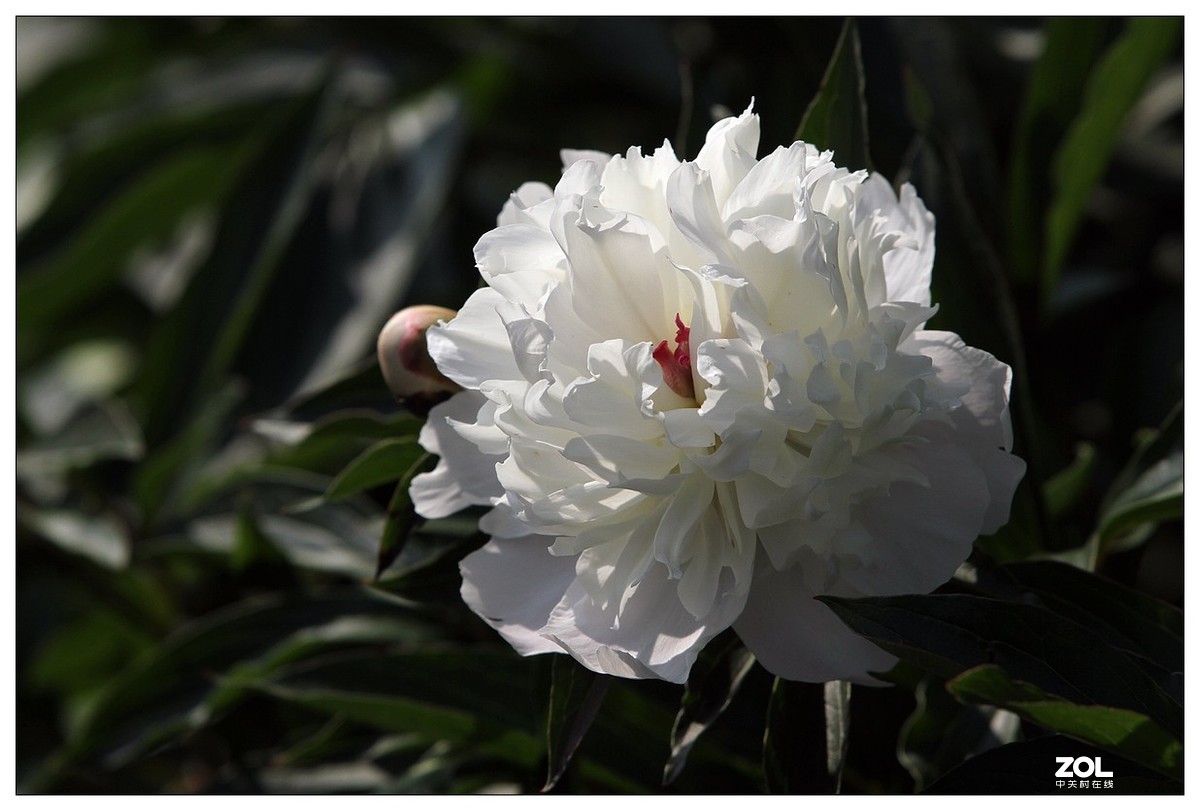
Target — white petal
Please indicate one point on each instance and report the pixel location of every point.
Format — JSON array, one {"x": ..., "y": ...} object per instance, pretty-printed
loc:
[
  {"x": 908, "y": 269},
  {"x": 463, "y": 475},
  {"x": 636, "y": 183},
  {"x": 514, "y": 584},
  {"x": 656, "y": 637},
  {"x": 983, "y": 423},
  {"x": 769, "y": 187},
  {"x": 474, "y": 346},
  {"x": 729, "y": 152},
  {"x": 673, "y": 540},
  {"x": 686, "y": 429},
  {"x": 520, "y": 261},
  {"x": 572, "y": 156},
  {"x": 798, "y": 638},
  {"x": 695, "y": 212},
  {"x": 919, "y": 535},
  {"x": 610, "y": 399},
  {"x": 618, "y": 281},
  {"x": 619, "y": 458},
  {"x": 529, "y": 205}
]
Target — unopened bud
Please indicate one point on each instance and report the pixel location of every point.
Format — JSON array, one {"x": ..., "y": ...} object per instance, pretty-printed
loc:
[{"x": 404, "y": 357}]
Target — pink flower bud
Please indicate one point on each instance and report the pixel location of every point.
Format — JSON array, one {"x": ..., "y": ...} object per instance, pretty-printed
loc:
[{"x": 404, "y": 357}]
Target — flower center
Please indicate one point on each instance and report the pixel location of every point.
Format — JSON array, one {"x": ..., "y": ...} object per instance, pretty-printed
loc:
[{"x": 677, "y": 365}]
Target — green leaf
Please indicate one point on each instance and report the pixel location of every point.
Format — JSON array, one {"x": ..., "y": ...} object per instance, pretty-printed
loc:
[
  {"x": 250, "y": 545},
  {"x": 160, "y": 480},
  {"x": 1055, "y": 89},
  {"x": 836, "y": 118},
  {"x": 99, "y": 538},
  {"x": 1148, "y": 490},
  {"x": 401, "y": 516},
  {"x": 949, "y": 633},
  {"x": 1156, "y": 496},
  {"x": 405, "y": 183},
  {"x": 360, "y": 385},
  {"x": 340, "y": 633},
  {"x": 102, "y": 431},
  {"x": 575, "y": 697},
  {"x": 87, "y": 170},
  {"x": 474, "y": 698},
  {"x": 711, "y": 686},
  {"x": 941, "y": 733},
  {"x": 1124, "y": 732},
  {"x": 1126, "y": 618},
  {"x": 143, "y": 214},
  {"x": 1028, "y": 767},
  {"x": 383, "y": 462},
  {"x": 1064, "y": 489},
  {"x": 89, "y": 371},
  {"x": 837, "y": 729},
  {"x": 314, "y": 446},
  {"x": 310, "y": 117},
  {"x": 192, "y": 351},
  {"x": 332, "y": 538},
  {"x": 804, "y": 742},
  {"x": 1112, "y": 90},
  {"x": 166, "y": 693}
]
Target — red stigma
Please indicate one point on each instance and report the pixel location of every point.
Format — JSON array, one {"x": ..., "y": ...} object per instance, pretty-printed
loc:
[{"x": 677, "y": 365}]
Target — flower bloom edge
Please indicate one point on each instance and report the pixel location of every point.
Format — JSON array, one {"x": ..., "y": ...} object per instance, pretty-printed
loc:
[{"x": 697, "y": 394}]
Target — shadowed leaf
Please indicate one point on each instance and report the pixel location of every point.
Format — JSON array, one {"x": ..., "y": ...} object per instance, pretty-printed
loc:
[
  {"x": 714, "y": 680},
  {"x": 575, "y": 697},
  {"x": 1124, "y": 732},
  {"x": 836, "y": 118}
]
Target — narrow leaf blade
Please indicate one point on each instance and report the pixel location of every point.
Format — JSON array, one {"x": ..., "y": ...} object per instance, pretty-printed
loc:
[
  {"x": 708, "y": 693},
  {"x": 836, "y": 118},
  {"x": 575, "y": 697}
]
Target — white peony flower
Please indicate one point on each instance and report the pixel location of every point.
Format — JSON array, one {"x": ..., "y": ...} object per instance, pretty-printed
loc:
[{"x": 697, "y": 394}]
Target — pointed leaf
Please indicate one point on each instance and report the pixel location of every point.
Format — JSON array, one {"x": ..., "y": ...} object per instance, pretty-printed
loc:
[
  {"x": 797, "y": 753},
  {"x": 950, "y": 633},
  {"x": 192, "y": 351},
  {"x": 575, "y": 697},
  {"x": 401, "y": 515},
  {"x": 1148, "y": 490},
  {"x": 1064, "y": 489},
  {"x": 1056, "y": 86},
  {"x": 941, "y": 733},
  {"x": 1126, "y": 618},
  {"x": 837, "y": 729},
  {"x": 383, "y": 462},
  {"x": 469, "y": 697},
  {"x": 1124, "y": 732},
  {"x": 99, "y": 538},
  {"x": 103, "y": 430},
  {"x": 145, "y": 212},
  {"x": 714, "y": 680},
  {"x": 1113, "y": 88},
  {"x": 836, "y": 118}
]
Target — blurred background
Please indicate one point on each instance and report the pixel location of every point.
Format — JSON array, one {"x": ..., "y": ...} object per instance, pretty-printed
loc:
[{"x": 221, "y": 587}]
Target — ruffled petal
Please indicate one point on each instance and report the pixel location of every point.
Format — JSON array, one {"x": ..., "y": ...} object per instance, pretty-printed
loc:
[
  {"x": 908, "y": 267},
  {"x": 514, "y": 584},
  {"x": 474, "y": 347},
  {"x": 798, "y": 638},
  {"x": 729, "y": 153},
  {"x": 656, "y": 636},
  {"x": 464, "y": 476},
  {"x": 520, "y": 261},
  {"x": 983, "y": 423}
]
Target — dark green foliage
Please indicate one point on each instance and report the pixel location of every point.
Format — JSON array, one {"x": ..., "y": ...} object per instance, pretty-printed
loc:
[{"x": 221, "y": 583}]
